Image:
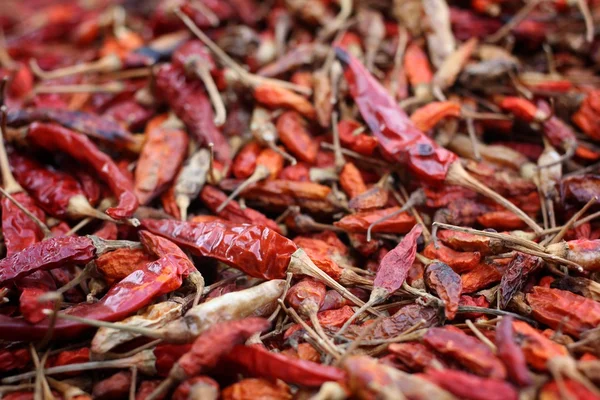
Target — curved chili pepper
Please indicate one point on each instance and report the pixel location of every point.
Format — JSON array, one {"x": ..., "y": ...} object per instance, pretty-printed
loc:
[
  {"x": 258, "y": 361},
  {"x": 56, "y": 138},
  {"x": 55, "y": 191},
  {"x": 465, "y": 350},
  {"x": 19, "y": 231},
  {"x": 360, "y": 222},
  {"x": 399, "y": 139},
  {"x": 162, "y": 155},
  {"x": 89, "y": 124},
  {"x": 190, "y": 103},
  {"x": 447, "y": 284},
  {"x": 126, "y": 297},
  {"x": 511, "y": 354},
  {"x": 472, "y": 387},
  {"x": 53, "y": 253}
]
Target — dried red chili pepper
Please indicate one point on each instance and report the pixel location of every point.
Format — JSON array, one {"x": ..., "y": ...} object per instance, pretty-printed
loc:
[
  {"x": 466, "y": 350},
  {"x": 574, "y": 314},
  {"x": 197, "y": 387},
  {"x": 276, "y": 96},
  {"x": 511, "y": 354},
  {"x": 537, "y": 348},
  {"x": 56, "y": 138},
  {"x": 361, "y": 221},
  {"x": 516, "y": 274},
  {"x": 416, "y": 356},
  {"x": 89, "y": 124},
  {"x": 115, "y": 386},
  {"x": 259, "y": 252},
  {"x": 426, "y": 117},
  {"x": 163, "y": 153},
  {"x": 59, "y": 194},
  {"x": 401, "y": 141},
  {"x": 296, "y": 138},
  {"x": 351, "y": 181},
  {"x": 472, "y": 387},
  {"x": 440, "y": 278},
  {"x": 258, "y": 361},
  {"x": 252, "y": 388},
  {"x": 189, "y": 101}
]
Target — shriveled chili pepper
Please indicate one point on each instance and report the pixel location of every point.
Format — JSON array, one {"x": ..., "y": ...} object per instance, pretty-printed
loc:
[
  {"x": 295, "y": 137},
  {"x": 115, "y": 386},
  {"x": 213, "y": 198},
  {"x": 446, "y": 283},
  {"x": 465, "y": 350},
  {"x": 160, "y": 159},
  {"x": 574, "y": 314},
  {"x": 459, "y": 261},
  {"x": 472, "y": 387},
  {"x": 87, "y": 123},
  {"x": 401, "y": 141},
  {"x": 58, "y": 193},
  {"x": 511, "y": 354},
  {"x": 259, "y": 252},
  {"x": 210, "y": 347},
  {"x": 124, "y": 298},
  {"x": 361, "y": 221},
  {"x": 426, "y": 117},
  {"x": 258, "y": 361},
  {"x": 392, "y": 271},
  {"x": 415, "y": 355},
  {"x": 516, "y": 274},
  {"x": 56, "y": 138},
  {"x": 189, "y": 101}
]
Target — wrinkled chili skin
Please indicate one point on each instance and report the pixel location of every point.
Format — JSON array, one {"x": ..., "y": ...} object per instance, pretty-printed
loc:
[
  {"x": 190, "y": 103},
  {"x": 128, "y": 296},
  {"x": 18, "y": 229},
  {"x": 398, "y": 138},
  {"x": 51, "y": 253},
  {"x": 258, "y": 251},
  {"x": 213, "y": 198},
  {"x": 571, "y": 313},
  {"x": 56, "y": 138},
  {"x": 466, "y": 350},
  {"x": 447, "y": 284},
  {"x": 89, "y": 124},
  {"x": 579, "y": 189},
  {"x": 258, "y": 361},
  {"x": 51, "y": 189},
  {"x": 394, "y": 266},
  {"x": 516, "y": 274},
  {"x": 510, "y": 353},
  {"x": 471, "y": 387}
]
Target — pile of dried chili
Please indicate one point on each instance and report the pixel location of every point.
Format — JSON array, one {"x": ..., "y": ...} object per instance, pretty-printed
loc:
[{"x": 306, "y": 199}]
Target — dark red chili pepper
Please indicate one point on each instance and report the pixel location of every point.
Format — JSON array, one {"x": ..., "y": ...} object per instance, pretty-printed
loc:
[
  {"x": 471, "y": 387},
  {"x": 511, "y": 354},
  {"x": 124, "y": 298},
  {"x": 89, "y": 124},
  {"x": 256, "y": 360},
  {"x": 56, "y": 138},
  {"x": 188, "y": 100}
]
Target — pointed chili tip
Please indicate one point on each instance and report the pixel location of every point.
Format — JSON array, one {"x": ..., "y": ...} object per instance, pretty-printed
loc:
[{"x": 342, "y": 55}]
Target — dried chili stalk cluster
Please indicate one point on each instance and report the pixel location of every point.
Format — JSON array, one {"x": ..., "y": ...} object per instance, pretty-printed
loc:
[{"x": 304, "y": 199}]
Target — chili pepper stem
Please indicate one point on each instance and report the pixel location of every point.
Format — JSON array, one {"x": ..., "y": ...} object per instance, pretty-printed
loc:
[
  {"x": 84, "y": 274},
  {"x": 572, "y": 220},
  {"x": 273, "y": 146},
  {"x": 504, "y": 238},
  {"x": 458, "y": 176},
  {"x": 337, "y": 148},
  {"x": 301, "y": 264},
  {"x": 202, "y": 72},
  {"x": 8, "y": 179},
  {"x": 377, "y": 295},
  {"x": 567, "y": 365},
  {"x": 42, "y": 226},
  {"x": 110, "y": 87},
  {"x": 109, "y": 63},
  {"x": 80, "y": 207},
  {"x": 104, "y": 246},
  {"x": 163, "y": 387},
  {"x": 151, "y": 333},
  {"x": 197, "y": 281},
  {"x": 260, "y": 173},
  {"x": 81, "y": 224}
]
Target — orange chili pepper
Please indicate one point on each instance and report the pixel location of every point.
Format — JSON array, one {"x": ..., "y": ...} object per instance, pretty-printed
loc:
[{"x": 295, "y": 137}]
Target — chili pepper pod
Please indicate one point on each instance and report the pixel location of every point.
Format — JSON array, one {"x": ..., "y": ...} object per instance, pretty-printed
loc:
[
  {"x": 59, "y": 194},
  {"x": 162, "y": 155},
  {"x": 400, "y": 141},
  {"x": 189, "y": 102},
  {"x": 368, "y": 379},
  {"x": 511, "y": 354},
  {"x": 256, "y": 360},
  {"x": 191, "y": 180},
  {"x": 209, "y": 348},
  {"x": 213, "y": 198},
  {"x": 260, "y": 252},
  {"x": 200, "y": 387},
  {"x": 446, "y": 283},
  {"x": 392, "y": 272},
  {"x": 468, "y": 386},
  {"x": 56, "y": 138}
]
